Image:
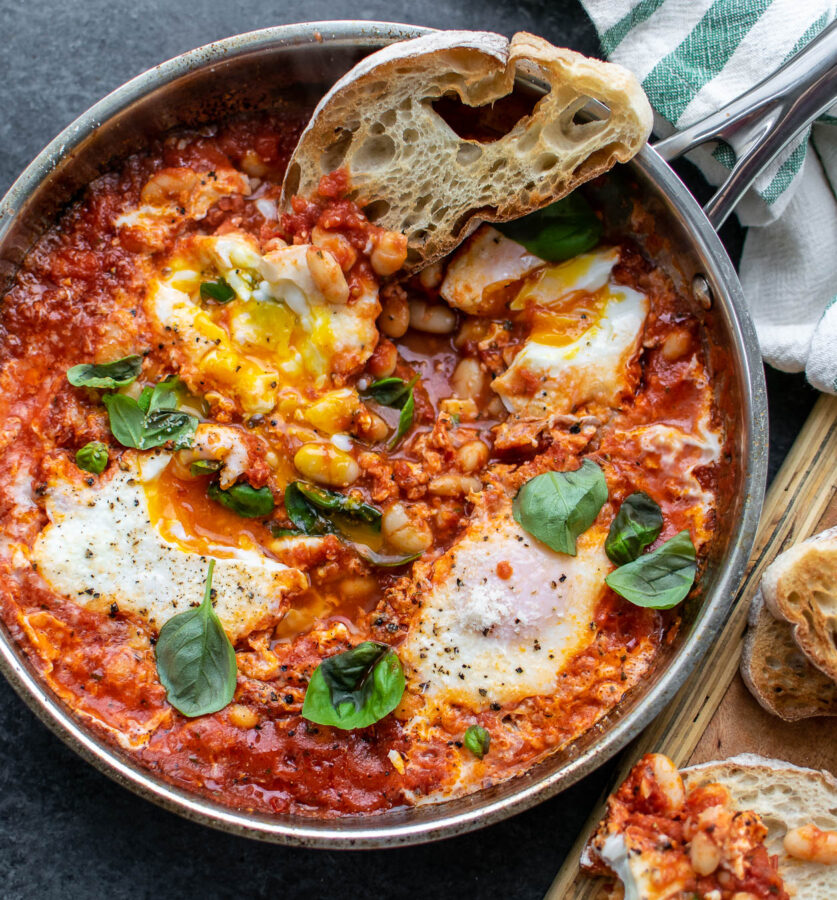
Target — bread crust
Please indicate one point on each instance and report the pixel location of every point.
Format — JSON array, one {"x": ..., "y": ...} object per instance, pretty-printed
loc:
[
  {"x": 413, "y": 174},
  {"x": 778, "y": 674},
  {"x": 800, "y": 587}
]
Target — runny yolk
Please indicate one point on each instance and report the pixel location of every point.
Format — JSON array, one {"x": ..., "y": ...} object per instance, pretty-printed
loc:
[{"x": 183, "y": 514}]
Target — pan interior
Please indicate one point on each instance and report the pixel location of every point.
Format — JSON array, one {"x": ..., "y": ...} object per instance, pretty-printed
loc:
[{"x": 288, "y": 69}]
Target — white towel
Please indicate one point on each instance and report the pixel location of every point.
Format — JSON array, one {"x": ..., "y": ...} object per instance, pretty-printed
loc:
[{"x": 692, "y": 57}]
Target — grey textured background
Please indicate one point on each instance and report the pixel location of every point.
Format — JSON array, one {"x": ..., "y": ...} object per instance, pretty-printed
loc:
[{"x": 65, "y": 830}]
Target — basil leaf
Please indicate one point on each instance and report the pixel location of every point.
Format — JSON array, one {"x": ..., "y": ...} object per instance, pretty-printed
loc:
[
  {"x": 660, "y": 579},
  {"x": 244, "y": 499},
  {"x": 127, "y": 420},
  {"x": 477, "y": 740},
  {"x": 144, "y": 399},
  {"x": 405, "y": 420},
  {"x": 635, "y": 527},
  {"x": 557, "y": 507},
  {"x": 219, "y": 291},
  {"x": 93, "y": 457},
  {"x": 333, "y": 501},
  {"x": 195, "y": 659},
  {"x": 301, "y": 513},
  {"x": 164, "y": 425},
  {"x": 133, "y": 428},
  {"x": 106, "y": 375},
  {"x": 356, "y": 688},
  {"x": 205, "y": 466},
  {"x": 380, "y": 559},
  {"x": 389, "y": 391},
  {"x": 557, "y": 232},
  {"x": 164, "y": 395}
]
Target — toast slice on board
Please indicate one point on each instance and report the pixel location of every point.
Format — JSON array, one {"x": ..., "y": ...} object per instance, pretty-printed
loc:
[
  {"x": 800, "y": 587},
  {"x": 785, "y": 797},
  {"x": 411, "y": 172},
  {"x": 777, "y": 672}
]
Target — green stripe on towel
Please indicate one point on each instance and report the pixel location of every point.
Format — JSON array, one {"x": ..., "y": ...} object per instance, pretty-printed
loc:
[
  {"x": 675, "y": 80},
  {"x": 614, "y": 36}
]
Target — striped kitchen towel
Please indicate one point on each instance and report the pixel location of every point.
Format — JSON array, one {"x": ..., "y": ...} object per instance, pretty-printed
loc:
[{"x": 693, "y": 56}]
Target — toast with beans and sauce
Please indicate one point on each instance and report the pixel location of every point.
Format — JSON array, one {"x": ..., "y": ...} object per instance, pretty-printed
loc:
[
  {"x": 411, "y": 172},
  {"x": 746, "y": 828}
]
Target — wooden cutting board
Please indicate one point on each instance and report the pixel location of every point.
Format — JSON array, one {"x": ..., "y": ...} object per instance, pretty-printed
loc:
[{"x": 714, "y": 716}]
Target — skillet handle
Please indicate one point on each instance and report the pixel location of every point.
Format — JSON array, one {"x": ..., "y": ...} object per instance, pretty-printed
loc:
[{"x": 759, "y": 124}]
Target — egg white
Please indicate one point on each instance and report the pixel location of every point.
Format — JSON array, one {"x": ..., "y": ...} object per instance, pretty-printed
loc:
[
  {"x": 592, "y": 368},
  {"x": 486, "y": 262},
  {"x": 101, "y": 548},
  {"x": 482, "y": 638}
]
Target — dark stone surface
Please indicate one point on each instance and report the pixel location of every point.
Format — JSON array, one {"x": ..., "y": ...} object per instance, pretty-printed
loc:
[{"x": 65, "y": 830}]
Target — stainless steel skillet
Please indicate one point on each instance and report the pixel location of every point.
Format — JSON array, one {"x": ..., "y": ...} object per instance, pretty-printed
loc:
[{"x": 289, "y": 68}]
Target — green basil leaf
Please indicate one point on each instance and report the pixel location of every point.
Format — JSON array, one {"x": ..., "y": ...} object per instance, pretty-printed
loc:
[
  {"x": 127, "y": 420},
  {"x": 477, "y": 740},
  {"x": 195, "y": 659},
  {"x": 636, "y": 526},
  {"x": 144, "y": 399},
  {"x": 333, "y": 501},
  {"x": 106, "y": 375},
  {"x": 205, "y": 466},
  {"x": 556, "y": 232},
  {"x": 164, "y": 425},
  {"x": 93, "y": 457},
  {"x": 557, "y": 507},
  {"x": 389, "y": 391},
  {"x": 304, "y": 516},
  {"x": 244, "y": 499},
  {"x": 278, "y": 532},
  {"x": 356, "y": 688},
  {"x": 219, "y": 291},
  {"x": 381, "y": 559},
  {"x": 659, "y": 579},
  {"x": 405, "y": 420},
  {"x": 164, "y": 395}
]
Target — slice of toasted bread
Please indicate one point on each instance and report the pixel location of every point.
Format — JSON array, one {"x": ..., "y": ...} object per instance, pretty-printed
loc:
[
  {"x": 800, "y": 586},
  {"x": 778, "y": 673},
  {"x": 412, "y": 173},
  {"x": 785, "y": 796}
]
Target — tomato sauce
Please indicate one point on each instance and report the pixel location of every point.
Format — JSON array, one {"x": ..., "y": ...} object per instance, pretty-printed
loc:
[{"x": 81, "y": 296}]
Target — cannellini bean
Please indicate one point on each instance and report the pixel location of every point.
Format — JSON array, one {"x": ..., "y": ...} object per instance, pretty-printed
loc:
[
  {"x": 169, "y": 184},
  {"x": 669, "y": 780},
  {"x": 472, "y": 456},
  {"x": 704, "y": 853},
  {"x": 431, "y": 277},
  {"x": 372, "y": 429},
  {"x": 405, "y": 533},
  {"x": 389, "y": 253},
  {"x": 468, "y": 379},
  {"x": 450, "y": 485},
  {"x": 357, "y": 588},
  {"x": 394, "y": 319},
  {"x": 334, "y": 411},
  {"x": 471, "y": 329},
  {"x": 811, "y": 844},
  {"x": 336, "y": 244},
  {"x": 466, "y": 410},
  {"x": 325, "y": 464},
  {"x": 676, "y": 345},
  {"x": 434, "y": 318},
  {"x": 242, "y": 716},
  {"x": 383, "y": 360},
  {"x": 327, "y": 275}
]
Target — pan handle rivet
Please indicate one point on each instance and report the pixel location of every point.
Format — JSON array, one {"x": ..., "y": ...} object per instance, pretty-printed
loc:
[{"x": 702, "y": 291}]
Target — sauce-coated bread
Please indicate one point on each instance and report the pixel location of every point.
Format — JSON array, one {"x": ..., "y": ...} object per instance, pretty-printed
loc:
[{"x": 411, "y": 171}]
